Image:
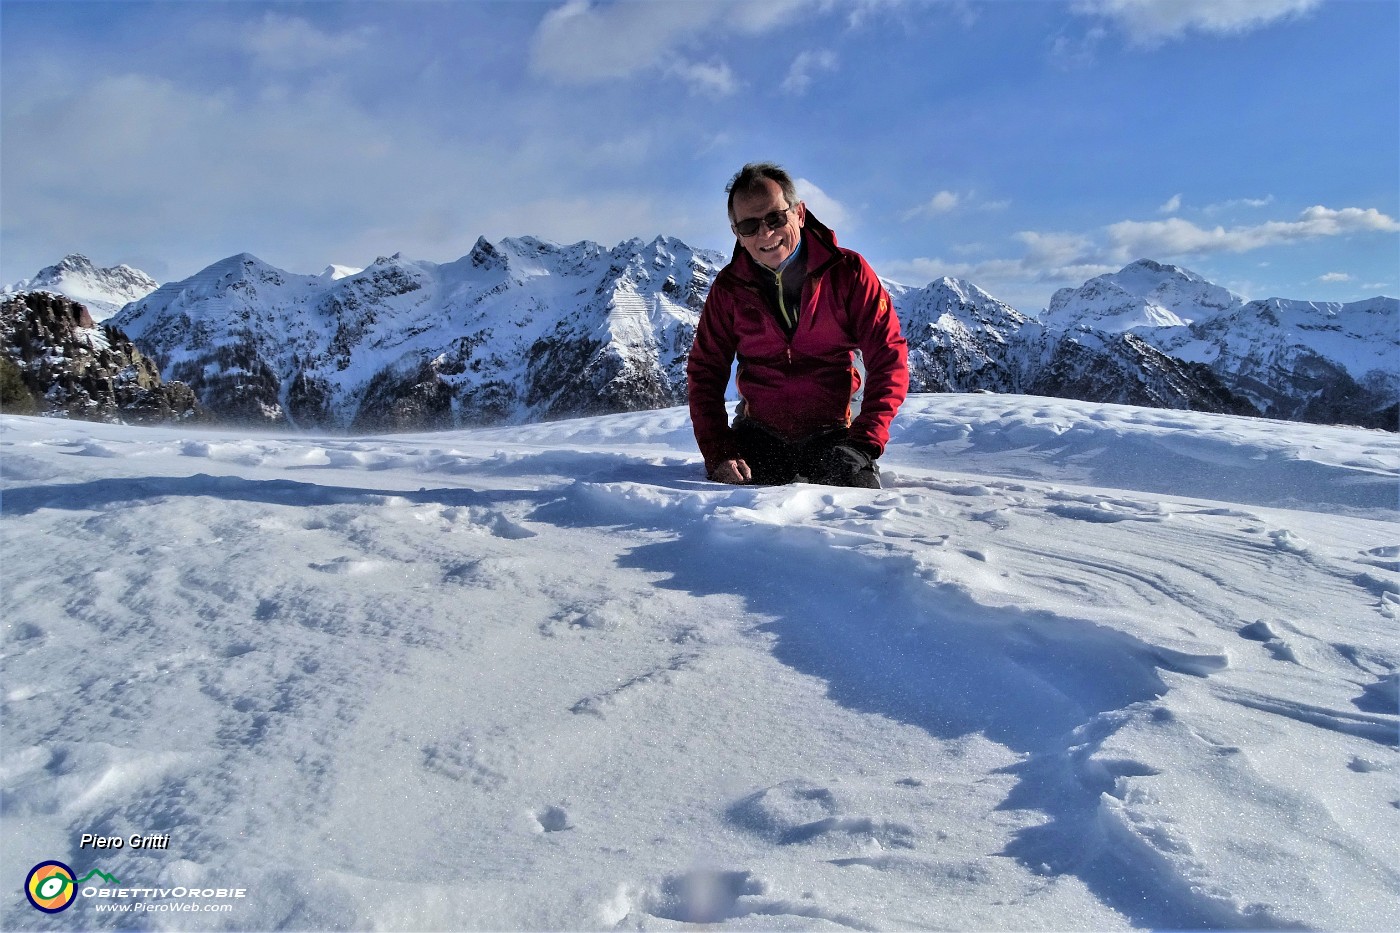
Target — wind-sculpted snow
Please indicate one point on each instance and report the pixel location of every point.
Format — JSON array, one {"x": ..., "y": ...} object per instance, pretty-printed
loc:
[{"x": 1075, "y": 667}]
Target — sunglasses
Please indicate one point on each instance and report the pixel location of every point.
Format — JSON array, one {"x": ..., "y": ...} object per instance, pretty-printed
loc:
[{"x": 774, "y": 220}]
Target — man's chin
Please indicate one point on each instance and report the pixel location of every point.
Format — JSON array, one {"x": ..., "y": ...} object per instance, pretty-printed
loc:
[{"x": 772, "y": 259}]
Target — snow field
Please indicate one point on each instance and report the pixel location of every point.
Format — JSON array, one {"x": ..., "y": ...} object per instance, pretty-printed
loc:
[{"x": 1076, "y": 667}]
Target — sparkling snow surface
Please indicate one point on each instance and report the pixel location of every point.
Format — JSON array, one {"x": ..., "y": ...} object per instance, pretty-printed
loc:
[{"x": 1077, "y": 667}]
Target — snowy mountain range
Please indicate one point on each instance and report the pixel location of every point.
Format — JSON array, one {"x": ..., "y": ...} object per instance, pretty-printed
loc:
[
  {"x": 522, "y": 330},
  {"x": 103, "y": 292},
  {"x": 1162, "y": 336},
  {"x": 525, "y": 330}
]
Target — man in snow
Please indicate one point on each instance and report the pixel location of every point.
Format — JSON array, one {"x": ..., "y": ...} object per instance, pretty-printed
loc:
[{"x": 793, "y": 307}]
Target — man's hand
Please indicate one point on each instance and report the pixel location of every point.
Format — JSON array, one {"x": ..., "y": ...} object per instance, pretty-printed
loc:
[{"x": 732, "y": 471}]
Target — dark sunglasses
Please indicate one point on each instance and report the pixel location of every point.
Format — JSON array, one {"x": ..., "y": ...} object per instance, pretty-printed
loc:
[{"x": 774, "y": 220}]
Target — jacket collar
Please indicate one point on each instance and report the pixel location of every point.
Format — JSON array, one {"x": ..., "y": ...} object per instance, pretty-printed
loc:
[{"x": 818, "y": 242}]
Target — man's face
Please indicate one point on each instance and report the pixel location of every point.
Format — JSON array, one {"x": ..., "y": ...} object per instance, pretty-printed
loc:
[{"x": 769, "y": 247}]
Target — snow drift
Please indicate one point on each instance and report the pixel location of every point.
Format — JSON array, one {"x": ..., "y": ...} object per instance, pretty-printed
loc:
[{"x": 1076, "y": 667}]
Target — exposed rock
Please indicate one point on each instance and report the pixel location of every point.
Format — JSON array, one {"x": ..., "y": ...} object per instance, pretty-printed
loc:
[{"x": 70, "y": 366}]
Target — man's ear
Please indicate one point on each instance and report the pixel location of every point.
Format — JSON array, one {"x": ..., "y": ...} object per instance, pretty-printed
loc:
[{"x": 801, "y": 213}]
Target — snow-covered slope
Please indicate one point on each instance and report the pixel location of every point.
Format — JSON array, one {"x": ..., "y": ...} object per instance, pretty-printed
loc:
[
  {"x": 103, "y": 291},
  {"x": 961, "y": 338},
  {"x": 524, "y": 330},
  {"x": 1303, "y": 360},
  {"x": 1077, "y": 667},
  {"x": 1144, "y": 294},
  {"x": 514, "y": 331}
]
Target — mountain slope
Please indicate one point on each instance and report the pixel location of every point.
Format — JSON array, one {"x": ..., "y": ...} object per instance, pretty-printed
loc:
[
  {"x": 1296, "y": 360},
  {"x": 103, "y": 292},
  {"x": 515, "y": 331},
  {"x": 525, "y": 330}
]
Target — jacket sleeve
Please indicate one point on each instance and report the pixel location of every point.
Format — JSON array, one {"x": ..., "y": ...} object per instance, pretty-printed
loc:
[
  {"x": 707, "y": 376},
  {"x": 886, "y": 358}
]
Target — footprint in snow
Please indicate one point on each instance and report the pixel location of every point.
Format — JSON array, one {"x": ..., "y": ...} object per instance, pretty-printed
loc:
[
  {"x": 552, "y": 819},
  {"x": 799, "y": 812}
]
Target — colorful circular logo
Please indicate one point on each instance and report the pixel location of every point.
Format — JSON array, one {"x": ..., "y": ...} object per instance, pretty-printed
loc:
[{"x": 50, "y": 887}]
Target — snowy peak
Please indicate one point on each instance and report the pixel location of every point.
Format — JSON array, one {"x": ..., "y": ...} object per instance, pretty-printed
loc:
[
  {"x": 103, "y": 291},
  {"x": 516, "y": 330},
  {"x": 1362, "y": 337},
  {"x": 1143, "y": 294},
  {"x": 951, "y": 306}
]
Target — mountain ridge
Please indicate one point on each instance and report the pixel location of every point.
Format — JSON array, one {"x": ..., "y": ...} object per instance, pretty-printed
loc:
[
  {"x": 524, "y": 329},
  {"x": 103, "y": 292}
]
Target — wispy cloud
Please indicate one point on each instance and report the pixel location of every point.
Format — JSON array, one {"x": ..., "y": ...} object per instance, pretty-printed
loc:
[
  {"x": 940, "y": 203},
  {"x": 831, "y": 211},
  {"x": 1172, "y": 205},
  {"x": 1074, "y": 52},
  {"x": 1235, "y": 203},
  {"x": 1069, "y": 258},
  {"x": 804, "y": 67},
  {"x": 582, "y": 42},
  {"x": 1131, "y": 239},
  {"x": 945, "y": 202},
  {"x": 1334, "y": 277},
  {"x": 1153, "y": 22},
  {"x": 713, "y": 78},
  {"x": 289, "y": 43}
]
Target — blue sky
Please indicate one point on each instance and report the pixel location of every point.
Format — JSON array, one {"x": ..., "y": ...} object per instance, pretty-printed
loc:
[{"x": 1024, "y": 146}]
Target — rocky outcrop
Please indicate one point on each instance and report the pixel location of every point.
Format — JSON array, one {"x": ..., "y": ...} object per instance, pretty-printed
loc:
[
  {"x": 1124, "y": 369},
  {"x": 60, "y": 362}
]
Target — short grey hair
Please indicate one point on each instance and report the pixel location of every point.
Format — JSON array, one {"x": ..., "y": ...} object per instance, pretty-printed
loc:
[{"x": 750, "y": 178}]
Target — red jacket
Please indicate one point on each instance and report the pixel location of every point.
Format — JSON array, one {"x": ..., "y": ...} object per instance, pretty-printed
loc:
[{"x": 803, "y": 384}]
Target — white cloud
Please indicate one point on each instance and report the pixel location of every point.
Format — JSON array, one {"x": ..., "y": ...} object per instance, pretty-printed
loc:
[
  {"x": 1334, "y": 277},
  {"x": 804, "y": 66},
  {"x": 1071, "y": 53},
  {"x": 1071, "y": 258},
  {"x": 288, "y": 43},
  {"x": 1152, "y": 22},
  {"x": 714, "y": 79},
  {"x": 832, "y": 212},
  {"x": 582, "y": 42},
  {"x": 940, "y": 203},
  {"x": 145, "y": 156},
  {"x": 945, "y": 202},
  {"x": 1021, "y": 283},
  {"x": 1050, "y": 250},
  {"x": 1238, "y": 202},
  {"x": 1131, "y": 239},
  {"x": 1172, "y": 205}
]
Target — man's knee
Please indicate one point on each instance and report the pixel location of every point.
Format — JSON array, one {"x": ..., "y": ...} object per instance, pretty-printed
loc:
[
  {"x": 844, "y": 465},
  {"x": 772, "y": 462}
]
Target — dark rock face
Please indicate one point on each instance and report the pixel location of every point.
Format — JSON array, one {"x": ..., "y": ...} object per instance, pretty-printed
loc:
[
  {"x": 68, "y": 365},
  {"x": 1124, "y": 369}
]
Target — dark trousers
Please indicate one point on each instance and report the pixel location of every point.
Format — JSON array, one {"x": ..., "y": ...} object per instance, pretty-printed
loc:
[{"x": 824, "y": 458}]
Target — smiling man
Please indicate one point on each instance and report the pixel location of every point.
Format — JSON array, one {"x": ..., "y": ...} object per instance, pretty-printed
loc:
[{"x": 793, "y": 308}]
